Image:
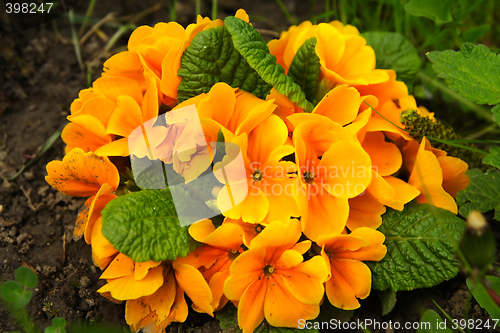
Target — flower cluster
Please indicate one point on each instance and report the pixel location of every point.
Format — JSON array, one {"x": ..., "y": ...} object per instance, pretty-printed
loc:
[{"x": 316, "y": 184}]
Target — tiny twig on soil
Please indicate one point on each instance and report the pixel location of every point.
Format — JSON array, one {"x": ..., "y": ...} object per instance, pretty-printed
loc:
[{"x": 27, "y": 195}]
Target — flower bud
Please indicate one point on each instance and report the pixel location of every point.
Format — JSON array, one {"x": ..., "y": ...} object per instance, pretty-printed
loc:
[{"x": 478, "y": 243}]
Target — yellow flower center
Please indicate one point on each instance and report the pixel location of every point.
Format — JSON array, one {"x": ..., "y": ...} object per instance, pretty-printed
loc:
[
  {"x": 257, "y": 175},
  {"x": 268, "y": 270},
  {"x": 308, "y": 177},
  {"x": 233, "y": 254}
]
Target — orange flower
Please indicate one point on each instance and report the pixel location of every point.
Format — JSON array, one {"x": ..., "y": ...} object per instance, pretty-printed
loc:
[
  {"x": 434, "y": 176},
  {"x": 90, "y": 114},
  {"x": 159, "y": 49},
  {"x": 167, "y": 303},
  {"x": 271, "y": 281},
  {"x": 268, "y": 184},
  {"x": 344, "y": 58},
  {"x": 350, "y": 278},
  {"x": 83, "y": 174},
  {"x": 128, "y": 115},
  {"x": 391, "y": 99},
  {"x": 222, "y": 246},
  {"x": 326, "y": 184}
]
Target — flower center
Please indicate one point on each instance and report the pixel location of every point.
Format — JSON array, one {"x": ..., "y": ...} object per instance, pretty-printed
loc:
[
  {"x": 268, "y": 270},
  {"x": 259, "y": 228},
  {"x": 308, "y": 177},
  {"x": 257, "y": 175},
  {"x": 233, "y": 254}
]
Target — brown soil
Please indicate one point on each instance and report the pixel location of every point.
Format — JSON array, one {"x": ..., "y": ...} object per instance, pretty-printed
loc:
[{"x": 40, "y": 77}]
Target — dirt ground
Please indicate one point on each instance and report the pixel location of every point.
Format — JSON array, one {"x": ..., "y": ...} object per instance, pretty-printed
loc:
[{"x": 39, "y": 78}]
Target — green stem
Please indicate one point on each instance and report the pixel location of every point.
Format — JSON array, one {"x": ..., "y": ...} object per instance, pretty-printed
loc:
[
  {"x": 173, "y": 11},
  {"x": 485, "y": 130},
  {"x": 479, "y": 110},
  {"x": 198, "y": 7},
  {"x": 285, "y": 11},
  {"x": 327, "y": 9},
  {"x": 214, "y": 10},
  {"x": 76, "y": 43},
  {"x": 90, "y": 9}
]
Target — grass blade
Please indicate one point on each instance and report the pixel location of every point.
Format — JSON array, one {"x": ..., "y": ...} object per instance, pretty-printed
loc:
[{"x": 46, "y": 146}]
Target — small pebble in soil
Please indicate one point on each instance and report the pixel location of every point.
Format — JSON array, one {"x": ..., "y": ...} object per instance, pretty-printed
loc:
[
  {"x": 84, "y": 281},
  {"x": 42, "y": 191},
  {"x": 29, "y": 175},
  {"x": 24, "y": 248},
  {"x": 22, "y": 237},
  {"x": 1, "y": 209},
  {"x": 47, "y": 270},
  {"x": 13, "y": 231}
]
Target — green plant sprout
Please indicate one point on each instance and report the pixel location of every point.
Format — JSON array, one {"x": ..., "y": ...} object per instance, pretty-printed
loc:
[{"x": 17, "y": 295}]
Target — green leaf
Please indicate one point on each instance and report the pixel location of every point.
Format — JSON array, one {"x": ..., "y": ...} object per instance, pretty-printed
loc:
[
  {"x": 420, "y": 242},
  {"x": 59, "y": 322},
  {"x": 211, "y": 58},
  {"x": 249, "y": 43},
  {"x": 436, "y": 10},
  {"x": 432, "y": 322},
  {"x": 305, "y": 69},
  {"x": 496, "y": 113},
  {"x": 393, "y": 51},
  {"x": 475, "y": 33},
  {"x": 482, "y": 296},
  {"x": 482, "y": 194},
  {"x": 493, "y": 158},
  {"x": 144, "y": 226},
  {"x": 14, "y": 294},
  {"x": 26, "y": 277},
  {"x": 473, "y": 72},
  {"x": 387, "y": 300}
]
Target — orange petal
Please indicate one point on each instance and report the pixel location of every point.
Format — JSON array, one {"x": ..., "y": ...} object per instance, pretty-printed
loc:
[
  {"x": 194, "y": 285},
  {"x": 103, "y": 251},
  {"x": 81, "y": 174},
  {"x": 365, "y": 211},
  {"x": 102, "y": 198},
  {"x": 141, "y": 269},
  {"x": 121, "y": 266},
  {"x": 350, "y": 280},
  {"x": 127, "y": 287},
  {"x": 112, "y": 87},
  {"x": 305, "y": 282},
  {"x": 246, "y": 269},
  {"x": 126, "y": 117},
  {"x": 427, "y": 176},
  {"x": 340, "y": 104},
  {"x": 386, "y": 157},
  {"x": 100, "y": 108},
  {"x": 345, "y": 169},
  {"x": 326, "y": 215},
  {"x": 76, "y": 136},
  {"x": 282, "y": 309},
  {"x": 251, "y": 306},
  {"x": 114, "y": 148},
  {"x": 375, "y": 251},
  {"x": 454, "y": 177}
]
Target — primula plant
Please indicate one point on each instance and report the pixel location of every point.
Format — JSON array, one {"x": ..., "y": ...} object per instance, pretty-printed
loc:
[{"x": 275, "y": 176}]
